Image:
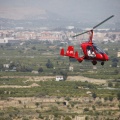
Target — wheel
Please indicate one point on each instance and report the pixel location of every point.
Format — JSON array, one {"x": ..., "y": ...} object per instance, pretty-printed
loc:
[
  {"x": 102, "y": 63},
  {"x": 94, "y": 62}
]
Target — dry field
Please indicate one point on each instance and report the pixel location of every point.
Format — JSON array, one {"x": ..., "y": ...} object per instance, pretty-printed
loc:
[{"x": 54, "y": 108}]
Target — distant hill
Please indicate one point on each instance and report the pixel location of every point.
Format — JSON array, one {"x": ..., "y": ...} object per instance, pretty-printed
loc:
[
  {"x": 37, "y": 17},
  {"x": 27, "y": 13},
  {"x": 27, "y": 17}
]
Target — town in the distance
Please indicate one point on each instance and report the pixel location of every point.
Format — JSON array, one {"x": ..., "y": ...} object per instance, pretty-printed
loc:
[{"x": 37, "y": 83}]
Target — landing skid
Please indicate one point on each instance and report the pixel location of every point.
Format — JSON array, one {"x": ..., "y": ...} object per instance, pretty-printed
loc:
[
  {"x": 94, "y": 62},
  {"x": 102, "y": 63}
]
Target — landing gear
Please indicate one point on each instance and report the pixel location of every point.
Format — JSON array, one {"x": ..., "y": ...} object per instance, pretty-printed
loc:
[
  {"x": 102, "y": 63},
  {"x": 94, "y": 62}
]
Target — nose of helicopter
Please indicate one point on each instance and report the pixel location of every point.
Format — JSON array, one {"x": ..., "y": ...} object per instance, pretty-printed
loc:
[{"x": 105, "y": 57}]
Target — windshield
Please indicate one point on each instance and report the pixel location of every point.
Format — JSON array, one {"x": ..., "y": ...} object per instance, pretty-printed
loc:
[{"x": 97, "y": 49}]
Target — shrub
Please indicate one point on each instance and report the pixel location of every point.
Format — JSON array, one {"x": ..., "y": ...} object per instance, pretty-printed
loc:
[
  {"x": 118, "y": 96},
  {"x": 40, "y": 116},
  {"x": 111, "y": 98},
  {"x": 93, "y": 107},
  {"x": 86, "y": 109},
  {"x": 68, "y": 118},
  {"x": 94, "y": 95},
  {"x": 110, "y": 84}
]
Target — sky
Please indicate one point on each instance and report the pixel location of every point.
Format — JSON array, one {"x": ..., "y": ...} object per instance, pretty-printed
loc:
[{"x": 83, "y": 10}]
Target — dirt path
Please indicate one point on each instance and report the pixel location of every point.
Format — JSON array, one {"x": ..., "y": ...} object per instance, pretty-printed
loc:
[
  {"x": 47, "y": 78},
  {"x": 83, "y": 79},
  {"x": 18, "y": 86}
]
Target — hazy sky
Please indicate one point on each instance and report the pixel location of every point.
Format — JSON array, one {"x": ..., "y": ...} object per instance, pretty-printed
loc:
[{"x": 70, "y": 9}]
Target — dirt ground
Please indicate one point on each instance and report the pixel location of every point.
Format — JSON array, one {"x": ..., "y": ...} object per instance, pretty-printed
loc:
[
  {"x": 45, "y": 103},
  {"x": 69, "y": 78},
  {"x": 46, "y": 78},
  {"x": 83, "y": 79}
]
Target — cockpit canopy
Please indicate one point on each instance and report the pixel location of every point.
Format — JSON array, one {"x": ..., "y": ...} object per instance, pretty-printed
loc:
[{"x": 97, "y": 49}]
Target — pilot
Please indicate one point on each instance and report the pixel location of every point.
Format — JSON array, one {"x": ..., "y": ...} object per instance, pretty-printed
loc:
[{"x": 90, "y": 52}]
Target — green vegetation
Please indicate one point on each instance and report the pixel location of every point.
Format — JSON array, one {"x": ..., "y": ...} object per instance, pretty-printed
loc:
[
  {"x": 31, "y": 97},
  {"x": 13, "y": 81},
  {"x": 52, "y": 88},
  {"x": 44, "y": 57}
]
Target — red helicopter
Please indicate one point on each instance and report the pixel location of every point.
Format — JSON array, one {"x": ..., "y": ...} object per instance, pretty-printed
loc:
[{"x": 91, "y": 51}]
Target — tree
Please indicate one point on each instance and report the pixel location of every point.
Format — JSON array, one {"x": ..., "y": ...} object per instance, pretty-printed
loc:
[
  {"x": 24, "y": 69},
  {"x": 37, "y": 104},
  {"x": 40, "y": 116},
  {"x": 2, "y": 47},
  {"x": 86, "y": 109},
  {"x": 68, "y": 118},
  {"x": 94, "y": 95},
  {"x": 67, "y": 98},
  {"x": 33, "y": 48},
  {"x": 64, "y": 73},
  {"x": 113, "y": 37},
  {"x": 86, "y": 118},
  {"x": 105, "y": 98},
  {"x": 117, "y": 84},
  {"x": 12, "y": 65},
  {"x": 115, "y": 60},
  {"x": 110, "y": 84},
  {"x": 114, "y": 64},
  {"x": 119, "y": 106},
  {"x": 1, "y": 66},
  {"x": 118, "y": 96},
  {"x": 93, "y": 107},
  {"x": 111, "y": 98},
  {"x": 49, "y": 64},
  {"x": 40, "y": 69},
  {"x": 19, "y": 101}
]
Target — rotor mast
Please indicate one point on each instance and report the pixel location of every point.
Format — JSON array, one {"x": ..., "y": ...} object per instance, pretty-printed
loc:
[{"x": 91, "y": 36}]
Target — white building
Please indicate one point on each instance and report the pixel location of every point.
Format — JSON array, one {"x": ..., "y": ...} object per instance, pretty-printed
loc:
[
  {"x": 118, "y": 54},
  {"x": 51, "y": 36},
  {"x": 7, "y": 40},
  {"x": 59, "y": 78},
  {"x": 3, "y": 41},
  {"x": 71, "y": 68},
  {"x": 6, "y": 65},
  {"x": 35, "y": 72}
]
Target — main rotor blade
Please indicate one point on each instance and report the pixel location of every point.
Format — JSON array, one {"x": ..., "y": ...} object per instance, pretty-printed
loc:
[
  {"x": 94, "y": 26},
  {"x": 103, "y": 21}
]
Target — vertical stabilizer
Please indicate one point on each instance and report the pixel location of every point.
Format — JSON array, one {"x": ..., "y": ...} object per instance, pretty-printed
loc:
[
  {"x": 76, "y": 55},
  {"x": 62, "y": 52}
]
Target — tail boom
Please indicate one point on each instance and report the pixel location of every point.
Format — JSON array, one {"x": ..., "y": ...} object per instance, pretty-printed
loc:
[{"x": 70, "y": 53}]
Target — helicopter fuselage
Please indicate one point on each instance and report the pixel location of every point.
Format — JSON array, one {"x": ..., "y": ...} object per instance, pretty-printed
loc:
[
  {"x": 96, "y": 53},
  {"x": 91, "y": 51}
]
